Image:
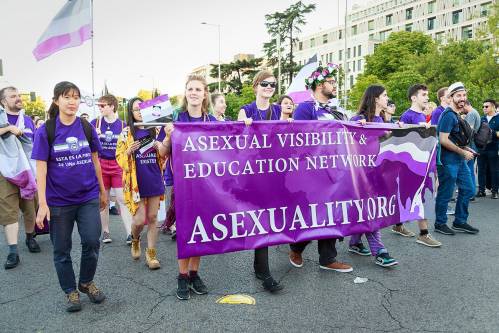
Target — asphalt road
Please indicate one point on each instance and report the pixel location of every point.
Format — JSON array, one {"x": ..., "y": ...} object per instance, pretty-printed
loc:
[{"x": 451, "y": 289}]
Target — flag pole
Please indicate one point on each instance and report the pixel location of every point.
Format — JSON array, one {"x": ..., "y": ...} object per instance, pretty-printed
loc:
[{"x": 92, "y": 55}]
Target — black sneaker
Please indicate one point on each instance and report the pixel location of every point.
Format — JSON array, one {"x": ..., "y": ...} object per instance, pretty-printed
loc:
[
  {"x": 113, "y": 211},
  {"x": 271, "y": 285},
  {"x": 32, "y": 245},
  {"x": 444, "y": 229},
  {"x": 480, "y": 194},
  {"x": 464, "y": 227},
  {"x": 384, "y": 260},
  {"x": 73, "y": 304},
  {"x": 197, "y": 285},
  {"x": 12, "y": 261},
  {"x": 473, "y": 199},
  {"x": 94, "y": 294},
  {"x": 129, "y": 240},
  {"x": 183, "y": 292}
]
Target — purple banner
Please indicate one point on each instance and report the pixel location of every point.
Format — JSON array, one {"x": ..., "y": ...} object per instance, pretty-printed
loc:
[{"x": 242, "y": 187}]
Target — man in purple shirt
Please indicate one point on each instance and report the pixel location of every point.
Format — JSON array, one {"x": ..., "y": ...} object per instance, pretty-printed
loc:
[
  {"x": 418, "y": 95},
  {"x": 444, "y": 103},
  {"x": 10, "y": 195}
]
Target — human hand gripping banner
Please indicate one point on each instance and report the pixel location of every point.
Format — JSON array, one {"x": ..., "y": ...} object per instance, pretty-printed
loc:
[{"x": 243, "y": 187}]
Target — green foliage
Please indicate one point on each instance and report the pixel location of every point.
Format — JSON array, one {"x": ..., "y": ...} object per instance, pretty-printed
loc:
[
  {"x": 355, "y": 95},
  {"x": 285, "y": 26},
  {"x": 397, "y": 85},
  {"x": 235, "y": 101},
  {"x": 235, "y": 74},
  {"x": 35, "y": 108}
]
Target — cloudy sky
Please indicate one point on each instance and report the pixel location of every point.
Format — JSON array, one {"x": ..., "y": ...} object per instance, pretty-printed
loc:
[{"x": 141, "y": 43}]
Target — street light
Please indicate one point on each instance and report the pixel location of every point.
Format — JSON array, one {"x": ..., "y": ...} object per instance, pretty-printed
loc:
[{"x": 219, "y": 52}]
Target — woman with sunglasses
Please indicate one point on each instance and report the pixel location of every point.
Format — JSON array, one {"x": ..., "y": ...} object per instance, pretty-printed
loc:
[
  {"x": 264, "y": 85},
  {"x": 108, "y": 128},
  {"x": 138, "y": 154}
]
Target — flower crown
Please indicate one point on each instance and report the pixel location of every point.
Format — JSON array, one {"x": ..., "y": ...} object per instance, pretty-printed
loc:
[{"x": 320, "y": 75}]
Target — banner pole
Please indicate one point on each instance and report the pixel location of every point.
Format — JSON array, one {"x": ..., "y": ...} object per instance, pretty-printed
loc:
[{"x": 92, "y": 55}]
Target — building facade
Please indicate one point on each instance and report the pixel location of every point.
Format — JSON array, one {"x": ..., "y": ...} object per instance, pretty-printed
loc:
[{"x": 370, "y": 25}]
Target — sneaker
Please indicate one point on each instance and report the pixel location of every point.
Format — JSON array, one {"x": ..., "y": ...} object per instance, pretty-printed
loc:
[
  {"x": 494, "y": 196},
  {"x": 135, "y": 249},
  {"x": 450, "y": 211},
  {"x": 384, "y": 260},
  {"x": 428, "y": 241},
  {"x": 151, "y": 261},
  {"x": 480, "y": 194},
  {"x": 106, "y": 237},
  {"x": 464, "y": 227},
  {"x": 12, "y": 261},
  {"x": 129, "y": 240},
  {"x": 338, "y": 267},
  {"x": 94, "y": 294},
  {"x": 295, "y": 259},
  {"x": 32, "y": 245},
  {"x": 174, "y": 235},
  {"x": 403, "y": 231},
  {"x": 183, "y": 292},
  {"x": 473, "y": 199},
  {"x": 271, "y": 285},
  {"x": 113, "y": 211},
  {"x": 359, "y": 249},
  {"x": 444, "y": 229},
  {"x": 197, "y": 285},
  {"x": 73, "y": 304}
]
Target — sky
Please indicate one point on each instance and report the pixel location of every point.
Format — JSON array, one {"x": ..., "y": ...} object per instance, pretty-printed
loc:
[{"x": 141, "y": 44}]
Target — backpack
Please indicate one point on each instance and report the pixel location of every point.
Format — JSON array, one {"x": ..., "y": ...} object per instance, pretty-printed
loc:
[
  {"x": 463, "y": 137},
  {"x": 50, "y": 129},
  {"x": 483, "y": 136}
]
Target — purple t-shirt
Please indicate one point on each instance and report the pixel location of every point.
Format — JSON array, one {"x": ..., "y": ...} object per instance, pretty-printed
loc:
[
  {"x": 307, "y": 111},
  {"x": 148, "y": 173},
  {"x": 376, "y": 119},
  {"x": 435, "y": 115},
  {"x": 71, "y": 178},
  {"x": 108, "y": 137},
  {"x": 183, "y": 117},
  {"x": 29, "y": 126},
  {"x": 412, "y": 117},
  {"x": 253, "y": 112}
]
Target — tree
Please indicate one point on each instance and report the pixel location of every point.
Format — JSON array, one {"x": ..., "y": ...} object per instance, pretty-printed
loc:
[
  {"x": 236, "y": 101},
  {"x": 145, "y": 94},
  {"x": 235, "y": 74},
  {"x": 397, "y": 85},
  {"x": 355, "y": 95},
  {"x": 402, "y": 49},
  {"x": 35, "y": 108},
  {"x": 285, "y": 26}
]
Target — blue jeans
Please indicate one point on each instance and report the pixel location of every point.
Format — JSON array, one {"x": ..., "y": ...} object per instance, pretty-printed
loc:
[
  {"x": 471, "y": 166},
  {"x": 450, "y": 175},
  {"x": 87, "y": 217}
]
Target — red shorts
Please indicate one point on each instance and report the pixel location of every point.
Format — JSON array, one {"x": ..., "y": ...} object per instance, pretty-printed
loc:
[{"x": 111, "y": 174}]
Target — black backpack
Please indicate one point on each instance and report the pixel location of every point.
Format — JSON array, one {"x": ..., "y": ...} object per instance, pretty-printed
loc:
[
  {"x": 50, "y": 129},
  {"x": 463, "y": 137},
  {"x": 483, "y": 136}
]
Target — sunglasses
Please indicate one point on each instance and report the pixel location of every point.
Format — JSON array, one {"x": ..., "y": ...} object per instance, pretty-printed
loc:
[
  {"x": 485, "y": 106},
  {"x": 266, "y": 84}
]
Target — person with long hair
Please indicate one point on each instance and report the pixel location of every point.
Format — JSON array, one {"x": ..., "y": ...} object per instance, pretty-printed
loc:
[
  {"x": 70, "y": 188},
  {"x": 195, "y": 109},
  {"x": 137, "y": 153},
  {"x": 108, "y": 128},
  {"x": 219, "y": 106},
  {"x": 287, "y": 106},
  {"x": 264, "y": 86},
  {"x": 373, "y": 102}
]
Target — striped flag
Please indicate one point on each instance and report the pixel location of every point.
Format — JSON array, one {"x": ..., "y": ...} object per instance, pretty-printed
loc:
[
  {"x": 69, "y": 28},
  {"x": 297, "y": 90}
]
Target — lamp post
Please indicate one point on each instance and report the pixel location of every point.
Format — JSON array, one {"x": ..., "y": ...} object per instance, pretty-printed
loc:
[{"x": 219, "y": 52}]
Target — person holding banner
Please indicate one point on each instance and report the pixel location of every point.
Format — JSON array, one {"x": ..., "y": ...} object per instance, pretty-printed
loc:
[
  {"x": 374, "y": 101},
  {"x": 195, "y": 108},
  {"x": 138, "y": 155},
  {"x": 70, "y": 188},
  {"x": 264, "y": 85},
  {"x": 219, "y": 106},
  {"x": 108, "y": 128},
  {"x": 287, "y": 106},
  {"x": 323, "y": 85}
]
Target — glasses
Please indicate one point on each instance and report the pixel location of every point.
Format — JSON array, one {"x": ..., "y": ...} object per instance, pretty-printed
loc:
[
  {"x": 485, "y": 106},
  {"x": 266, "y": 84},
  {"x": 332, "y": 82},
  {"x": 102, "y": 105}
]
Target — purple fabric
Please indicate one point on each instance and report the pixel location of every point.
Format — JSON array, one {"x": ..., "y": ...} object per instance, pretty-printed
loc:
[
  {"x": 149, "y": 176},
  {"x": 63, "y": 41},
  {"x": 253, "y": 112},
  {"x": 265, "y": 189},
  {"x": 412, "y": 117},
  {"x": 29, "y": 126},
  {"x": 373, "y": 239},
  {"x": 71, "y": 178},
  {"x": 435, "y": 115},
  {"x": 376, "y": 119},
  {"x": 108, "y": 137},
  {"x": 307, "y": 111}
]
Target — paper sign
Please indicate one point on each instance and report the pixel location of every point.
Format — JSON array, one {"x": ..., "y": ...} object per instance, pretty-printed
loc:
[{"x": 158, "y": 109}]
